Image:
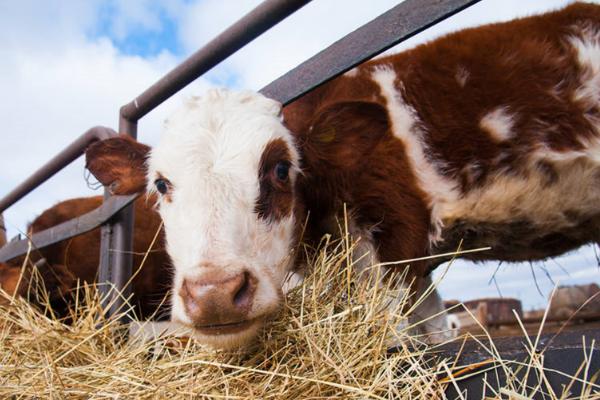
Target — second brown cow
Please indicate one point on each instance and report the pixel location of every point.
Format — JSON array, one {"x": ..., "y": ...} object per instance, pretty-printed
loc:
[{"x": 74, "y": 262}]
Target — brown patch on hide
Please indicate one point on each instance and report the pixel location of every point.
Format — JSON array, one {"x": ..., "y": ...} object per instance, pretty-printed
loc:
[
  {"x": 548, "y": 172},
  {"x": 519, "y": 240},
  {"x": 344, "y": 134},
  {"x": 276, "y": 197}
]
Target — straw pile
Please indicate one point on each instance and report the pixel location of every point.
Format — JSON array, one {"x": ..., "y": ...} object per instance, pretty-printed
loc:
[{"x": 330, "y": 340}]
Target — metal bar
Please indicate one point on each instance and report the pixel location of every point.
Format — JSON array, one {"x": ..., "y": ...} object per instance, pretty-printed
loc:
[
  {"x": 564, "y": 353},
  {"x": 116, "y": 260},
  {"x": 510, "y": 347},
  {"x": 392, "y": 27},
  {"x": 61, "y": 160},
  {"x": 67, "y": 229},
  {"x": 2, "y": 231},
  {"x": 127, "y": 127},
  {"x": 252, "y": 25},
  {"x": 116, "y": 244}
]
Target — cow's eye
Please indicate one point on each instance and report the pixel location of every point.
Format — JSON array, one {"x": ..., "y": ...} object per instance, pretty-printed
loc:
[
  {"x": 282, "y": 170},
  {"x": 162, "y": 185}
]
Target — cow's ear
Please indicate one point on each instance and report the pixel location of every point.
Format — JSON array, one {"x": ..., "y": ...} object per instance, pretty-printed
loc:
[
  {"x": 119, "y": 163},
  {"x": 344, "y": 134}
]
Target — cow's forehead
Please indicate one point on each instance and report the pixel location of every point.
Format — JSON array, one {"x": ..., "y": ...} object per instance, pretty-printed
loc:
[
  {"x": 222, "y": 130},
  {"x": 220, "y": 107}
]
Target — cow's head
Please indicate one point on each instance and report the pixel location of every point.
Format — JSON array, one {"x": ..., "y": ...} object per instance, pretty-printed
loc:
[{"x": 226, "y": 171}]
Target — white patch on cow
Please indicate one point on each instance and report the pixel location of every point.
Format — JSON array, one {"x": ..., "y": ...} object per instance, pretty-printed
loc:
[
  {"x": 499, "y": 123},
  {"x": 430, "y": 309},
  {"x": 405, "y": 127},
  {"x": 462, "y": 76},
  {"x": 586, "y": 43},
  {"x": 364, "y": 250},
  {"x": 454, "y": 324},
  {"x": 426, "y": 317},
  {"x": 293, "y": 280},
  {"x": 210, "y": 152},
  {"x": 529, "y": 197},
  {"x": 592, "y": 146},
  {"x": 364, "y": 253},
  {"x": 352, "y": 73},
  {"x": 397, "y": 298}
]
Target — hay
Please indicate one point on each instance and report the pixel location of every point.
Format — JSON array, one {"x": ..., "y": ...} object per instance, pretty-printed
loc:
[{"x": 330, "y": 341}]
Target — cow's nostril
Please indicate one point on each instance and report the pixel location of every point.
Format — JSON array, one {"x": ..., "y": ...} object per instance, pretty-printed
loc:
[
  {"x": 244, "y": 294},
  {"x": 213, "y": 302}
]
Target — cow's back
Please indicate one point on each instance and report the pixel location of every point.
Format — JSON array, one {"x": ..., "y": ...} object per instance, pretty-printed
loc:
[{"x": 493, "y": 137}]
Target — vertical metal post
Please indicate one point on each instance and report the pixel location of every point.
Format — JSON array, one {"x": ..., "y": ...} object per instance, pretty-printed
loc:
[
  {"x": 116, "y": 248},
  {"x": 2, "y": 231}
]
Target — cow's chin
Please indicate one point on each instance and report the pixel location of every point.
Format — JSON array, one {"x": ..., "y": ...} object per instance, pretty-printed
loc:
[{"x": 229, "y": 336}]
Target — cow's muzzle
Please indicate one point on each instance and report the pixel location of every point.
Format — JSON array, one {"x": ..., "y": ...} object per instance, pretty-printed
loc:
[{"x": 219, "y": 306}]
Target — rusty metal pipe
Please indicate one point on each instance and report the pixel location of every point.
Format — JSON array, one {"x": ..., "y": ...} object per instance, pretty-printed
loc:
[
  {"x": 252, "y": 25},
  {"x": 2, "y": 231},
  {"x": 66, "y": 230},
  {"x": 392, "y": 27},
  {"x": 61, "y": 160},
  {"x": 116, "y": 245}
]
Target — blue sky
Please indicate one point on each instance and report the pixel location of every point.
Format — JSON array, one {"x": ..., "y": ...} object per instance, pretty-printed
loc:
[
  {"x": 143, "y": 41},
  {"x": 70, "y": 65}
]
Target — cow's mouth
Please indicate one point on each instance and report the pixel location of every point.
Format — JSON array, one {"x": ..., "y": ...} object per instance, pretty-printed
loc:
[{"x": 224, "y": 329}]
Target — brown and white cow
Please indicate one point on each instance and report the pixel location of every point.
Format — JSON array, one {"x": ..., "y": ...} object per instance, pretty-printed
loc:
[
  {"x": 491, "y": 135},
  {"x": 75, "y": 261}
]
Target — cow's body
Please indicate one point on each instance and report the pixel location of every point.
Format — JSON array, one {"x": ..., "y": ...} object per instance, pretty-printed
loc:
[
  {"x": 494, "y": 139},
  {"x": 76, "y": 259},
  {"x": 491, "y": 135}
]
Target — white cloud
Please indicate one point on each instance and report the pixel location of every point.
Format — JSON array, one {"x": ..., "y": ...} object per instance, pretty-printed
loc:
[
  {"x": 56, "y": 83},
  {"x": 124, "y": 19},
  {"x": 129, "y": 15}
]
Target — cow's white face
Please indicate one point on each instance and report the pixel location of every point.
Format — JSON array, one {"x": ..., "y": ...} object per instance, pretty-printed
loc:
[
  {"x": 226, "y": 171},
  {"x": 226, "y": 168}
]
